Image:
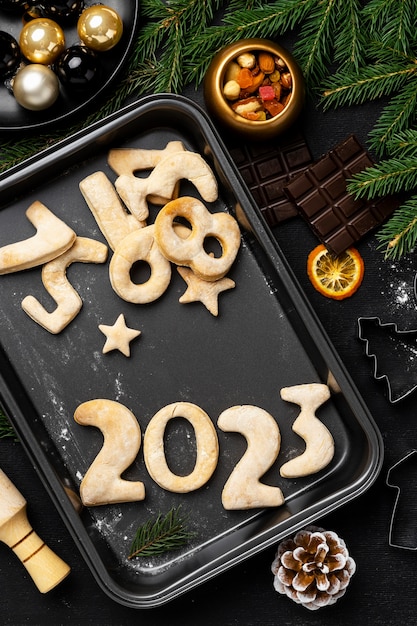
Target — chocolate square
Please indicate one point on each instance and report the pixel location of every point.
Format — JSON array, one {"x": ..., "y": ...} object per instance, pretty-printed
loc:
[
  {"x": 267, "y": 167},
  {"x": 337, "y": 218}
]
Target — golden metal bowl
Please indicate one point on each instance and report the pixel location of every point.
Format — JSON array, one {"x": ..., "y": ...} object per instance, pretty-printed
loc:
[{"x": 220, "y": 108}]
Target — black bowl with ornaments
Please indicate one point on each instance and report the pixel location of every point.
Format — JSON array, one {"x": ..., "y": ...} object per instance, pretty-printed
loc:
[{"x": 58, "y": 60}]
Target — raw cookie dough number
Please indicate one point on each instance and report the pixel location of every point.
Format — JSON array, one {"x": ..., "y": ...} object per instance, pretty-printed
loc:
[
  {"x": 319, "y": 441},
  {"x": 243, "y": 489},
  {"x": 206, "y": 441},
  {"x": 139, "y": 246},
  {"x": 102, "y": 484},
  {"x": 190, "y": 251},
  {"x": 56, "y": 283}
]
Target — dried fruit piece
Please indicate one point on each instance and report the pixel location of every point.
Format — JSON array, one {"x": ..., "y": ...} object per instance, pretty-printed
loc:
[
  {"x": 335, "y": 277},
  {"x": 266, "y": 92},
  {"x": 244, "y": 78}
]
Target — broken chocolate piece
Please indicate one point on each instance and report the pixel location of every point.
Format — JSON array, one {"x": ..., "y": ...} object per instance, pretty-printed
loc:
[
  {"x": 267, "y": 167},
  {"x": 337, "y": 218}
]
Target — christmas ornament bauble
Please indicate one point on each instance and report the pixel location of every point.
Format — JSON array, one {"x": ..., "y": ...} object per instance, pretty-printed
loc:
[
  {"x": 9, "y": 54},
  {"x": 100, "y": 27},
  {"x": 35, "y": 87},
  {"x": 42, "y": 41},
  {"x": 78, "y": 68},
  {"x": 64, "y": 10},
  {"x": 33, "y": 12}
]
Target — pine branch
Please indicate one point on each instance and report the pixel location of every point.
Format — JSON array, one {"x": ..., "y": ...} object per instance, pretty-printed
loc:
[
  {"x": 403, "y": 143},
  {"x": 6, "y": 429},
  {"x": 396, "y": 116},
  {"x": 398, "y": 236},
  {"x": 387, "y": 177},
  {"x": 314, "y": 46},
  {"x": 369, "y": 83},
  {"x": 349, "y": 42},
  {"x": 163, "y": 534},
  {"x": 393, "y": 21}
]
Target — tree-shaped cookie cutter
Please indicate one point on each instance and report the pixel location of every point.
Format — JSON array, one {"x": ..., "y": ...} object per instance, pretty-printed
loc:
[
  {"x": 393, "y": 351},
  {"x": 403, "y": 526}
]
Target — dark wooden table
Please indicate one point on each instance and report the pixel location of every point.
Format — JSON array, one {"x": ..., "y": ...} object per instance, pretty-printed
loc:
[{"x": 382, "y": 591}]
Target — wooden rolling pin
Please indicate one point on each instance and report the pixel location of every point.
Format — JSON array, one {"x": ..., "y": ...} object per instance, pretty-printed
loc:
[{"x": 44, "y": 566}]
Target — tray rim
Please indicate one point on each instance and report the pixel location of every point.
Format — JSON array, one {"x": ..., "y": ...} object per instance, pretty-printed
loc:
[{"x": 34, "y": 450}]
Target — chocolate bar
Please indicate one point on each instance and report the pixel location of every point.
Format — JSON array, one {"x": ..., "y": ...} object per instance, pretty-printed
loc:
[
  {"x": 267, "y": 167},
  {"x": 337, "y": 218}
]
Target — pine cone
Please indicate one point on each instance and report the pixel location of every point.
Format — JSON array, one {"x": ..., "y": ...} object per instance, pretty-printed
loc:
[{"x": 314, "y": 568}]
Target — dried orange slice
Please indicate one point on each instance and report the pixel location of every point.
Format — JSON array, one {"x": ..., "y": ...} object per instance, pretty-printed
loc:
[{"x": 335, "y": 277}]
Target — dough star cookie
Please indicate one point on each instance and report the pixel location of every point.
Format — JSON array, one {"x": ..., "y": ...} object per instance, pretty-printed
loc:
[
  {"x": 118, "y": 336},
  {"x": 204, "y": 291}
]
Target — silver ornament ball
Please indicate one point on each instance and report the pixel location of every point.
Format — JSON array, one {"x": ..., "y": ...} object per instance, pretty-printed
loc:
[{"x": 35, "y": 87}]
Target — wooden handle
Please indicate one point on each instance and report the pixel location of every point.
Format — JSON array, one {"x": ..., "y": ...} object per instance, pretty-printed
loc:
[{"x": 45, "y": 567}]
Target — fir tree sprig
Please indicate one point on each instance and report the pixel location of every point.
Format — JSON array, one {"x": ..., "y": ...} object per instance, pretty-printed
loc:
[
  {"x": 6, "y": 429},
  {"x": 165, "y": 533},
  {"x": 398, "y": 236},
  {"x": 390, "y": 176}
]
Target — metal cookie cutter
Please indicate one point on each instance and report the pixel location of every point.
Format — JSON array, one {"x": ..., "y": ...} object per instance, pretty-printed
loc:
[
  {"x": 394, "y": 355},
  {"x": 403, "y": 477}
]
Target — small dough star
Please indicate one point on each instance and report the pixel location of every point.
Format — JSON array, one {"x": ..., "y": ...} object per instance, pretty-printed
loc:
[
  {"x": 204, "y": 291},
  {"x": 118, "y": 336}
]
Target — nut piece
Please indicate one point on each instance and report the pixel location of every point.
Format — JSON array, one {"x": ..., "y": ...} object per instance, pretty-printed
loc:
[
  {"x": 247, "y": 59},
  {"x": 231, "y": 90},
  {"x": 266, "y": 62}
]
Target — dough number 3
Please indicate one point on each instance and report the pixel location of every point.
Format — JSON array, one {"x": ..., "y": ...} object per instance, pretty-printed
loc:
[{"x": 103, "y": 482}]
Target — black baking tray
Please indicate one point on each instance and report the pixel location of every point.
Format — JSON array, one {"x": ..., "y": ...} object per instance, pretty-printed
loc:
[{"x": 265, "y": 337}]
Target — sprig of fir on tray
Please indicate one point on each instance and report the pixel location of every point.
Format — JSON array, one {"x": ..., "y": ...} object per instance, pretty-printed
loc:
[
  {"x": 350, "y": 52},
  {"x": 6, "y": 429},
  {"x": 157, "y": 536}
]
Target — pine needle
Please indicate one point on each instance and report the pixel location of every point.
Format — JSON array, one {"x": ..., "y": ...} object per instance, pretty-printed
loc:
[
  {"x": 398, "y": 236},
  {"x": 165, "y": 533},
  {"x": 385, "y": 178},
  {"x": 6, "y": 429}
]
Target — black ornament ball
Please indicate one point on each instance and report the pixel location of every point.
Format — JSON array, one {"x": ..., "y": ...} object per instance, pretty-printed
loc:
[
  {"x": 64, "y": 10},
  {"x": 9, "y": 54},
  {"x": 78, "y": 68}
]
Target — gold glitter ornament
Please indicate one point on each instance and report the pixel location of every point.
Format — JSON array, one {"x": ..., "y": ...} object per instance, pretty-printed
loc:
[
  {"x": 35, "y": 87},
  {"x": 100, "y": 28},
  {"x": 42, "y": 41}
]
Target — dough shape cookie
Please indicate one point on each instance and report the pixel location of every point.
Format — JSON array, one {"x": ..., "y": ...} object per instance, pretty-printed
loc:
[
  {"x": 204, "y": 291},
  {"x": 127, "y": 161},
  {"x": 113, "y": 220},
  {"x": 190, "y": 251},
  {"x": 102, "y": 483},
  {"x": 163, "y": 180},
  {"x": 319, "y": 441},
  {"x": 206, "y": 441},
  {"x": 56, "y": 283},
  {"x": 118, "y": 336},
  {"x": 139, "y": 246},
  {"x": 52, "y": 238},
  {"x": 243, "y": 489}
]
